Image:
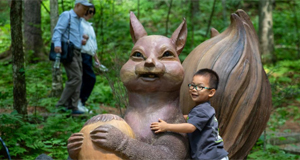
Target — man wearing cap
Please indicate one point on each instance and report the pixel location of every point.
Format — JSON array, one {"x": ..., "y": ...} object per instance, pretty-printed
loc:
[{"x": 71, "y": 92}]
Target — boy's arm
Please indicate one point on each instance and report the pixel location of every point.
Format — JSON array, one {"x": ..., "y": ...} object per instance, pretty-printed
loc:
[
  {"x": 162, "y": 126},
  {"x": 60, "y": 28}
]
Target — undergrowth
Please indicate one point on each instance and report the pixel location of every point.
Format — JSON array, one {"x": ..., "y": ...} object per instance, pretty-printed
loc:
[
  {"x": 39, "y": 132},
  {"x": 284, "y": 78},
  {"x": 26, "y": 139}
]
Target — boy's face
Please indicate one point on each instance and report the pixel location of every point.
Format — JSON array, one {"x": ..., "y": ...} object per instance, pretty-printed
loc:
[{"x": 201, "y": 95}]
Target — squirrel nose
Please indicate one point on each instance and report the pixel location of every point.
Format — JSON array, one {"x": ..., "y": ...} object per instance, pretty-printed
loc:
[{"x": 150, "y": 62}]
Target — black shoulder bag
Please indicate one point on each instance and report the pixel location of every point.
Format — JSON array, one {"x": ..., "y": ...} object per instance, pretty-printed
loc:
[{"x": 66, "y": 47}]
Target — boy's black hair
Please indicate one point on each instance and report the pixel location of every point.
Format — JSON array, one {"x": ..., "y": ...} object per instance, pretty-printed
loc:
[{"x": 213, "y": 77}]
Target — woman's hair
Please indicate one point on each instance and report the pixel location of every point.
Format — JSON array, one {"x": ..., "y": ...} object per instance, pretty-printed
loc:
[{"x": 92, "y": 6}]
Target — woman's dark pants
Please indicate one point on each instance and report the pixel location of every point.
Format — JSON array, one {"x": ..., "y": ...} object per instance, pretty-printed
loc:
[{"x": 88, "y": 77}]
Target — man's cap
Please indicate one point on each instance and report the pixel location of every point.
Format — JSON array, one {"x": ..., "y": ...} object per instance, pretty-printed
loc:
[{"x": 83, "y": 2}]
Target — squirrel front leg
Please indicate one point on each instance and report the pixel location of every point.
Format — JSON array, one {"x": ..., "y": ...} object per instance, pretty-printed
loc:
[{"x": 166, "y": 146}]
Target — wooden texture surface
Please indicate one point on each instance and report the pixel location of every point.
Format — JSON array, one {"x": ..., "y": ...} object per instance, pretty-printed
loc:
[{"x": 243, "y": 99}]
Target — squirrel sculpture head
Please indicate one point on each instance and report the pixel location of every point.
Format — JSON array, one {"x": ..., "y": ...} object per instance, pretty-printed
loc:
[{"x": 153, "y": 64}]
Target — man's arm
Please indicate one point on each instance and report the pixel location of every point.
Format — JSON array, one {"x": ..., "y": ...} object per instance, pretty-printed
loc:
[
  {"x": 59, "y": 29},
  {"x": 162, "y": 126}
]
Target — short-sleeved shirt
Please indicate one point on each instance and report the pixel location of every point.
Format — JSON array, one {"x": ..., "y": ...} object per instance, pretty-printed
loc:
[{"x": 205, "y": 141}]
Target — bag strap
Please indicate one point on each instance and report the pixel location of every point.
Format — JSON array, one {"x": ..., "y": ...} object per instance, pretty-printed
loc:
[{"x": 69, "y": 27}]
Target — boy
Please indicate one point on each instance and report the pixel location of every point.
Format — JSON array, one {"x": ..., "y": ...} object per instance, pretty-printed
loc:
[{"x": 202, "y": 125}]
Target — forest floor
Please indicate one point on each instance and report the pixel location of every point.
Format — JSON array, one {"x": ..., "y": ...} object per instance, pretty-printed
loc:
[{"x": 290, "y": 124}]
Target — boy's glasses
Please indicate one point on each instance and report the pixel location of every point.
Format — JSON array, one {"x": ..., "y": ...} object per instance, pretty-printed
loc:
[{"x": 197, "y": 88}]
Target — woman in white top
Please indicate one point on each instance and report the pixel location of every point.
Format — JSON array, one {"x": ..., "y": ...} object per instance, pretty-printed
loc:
[{"x": 88, "y": 51}]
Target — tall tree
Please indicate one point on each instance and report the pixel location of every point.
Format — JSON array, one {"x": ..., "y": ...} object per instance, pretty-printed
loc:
[
  {"x": 168, "y": 15},
  {"x": 266, "y": 36},
  {"x": 57, "y": 85},
  {"x": 293, "y": 5},
  {"x": 32, "y": 30},
  {"x": 224, "y": 12},
  {"x": 19, "y": 91},
  {"x": 138, "y": 8},
  {"x": 53, "y": 13},
  {"x": 195, "y": 12},
  {"x": 210, "y": 18}
]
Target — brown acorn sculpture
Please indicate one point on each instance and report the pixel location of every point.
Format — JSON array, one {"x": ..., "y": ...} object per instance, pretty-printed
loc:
[{"x": 91, "y": 151}]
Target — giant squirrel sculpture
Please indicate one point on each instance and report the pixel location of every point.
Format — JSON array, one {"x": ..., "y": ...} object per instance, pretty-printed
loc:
[{"x": 153, "y": 77}]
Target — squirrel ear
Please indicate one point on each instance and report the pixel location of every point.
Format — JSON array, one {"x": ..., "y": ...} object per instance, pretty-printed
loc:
[
  {"x": 136, "y": 28},
  {"x": 179, "y": 37},
  {"x": 213, "y": 32}
]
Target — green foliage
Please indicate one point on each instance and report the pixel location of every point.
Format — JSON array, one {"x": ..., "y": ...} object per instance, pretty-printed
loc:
[
  {"x": 286, "y": 34},
  {"x": 4, "y": 26},
  {"x": 5, "y": 37},
  {"x": 6, "y": 84},
  {"x": 271, "y": 153},
  {"x": 284, "y": 79},
  {"x": 101, "y": 93},
  {"x": 27, "y": 138}
]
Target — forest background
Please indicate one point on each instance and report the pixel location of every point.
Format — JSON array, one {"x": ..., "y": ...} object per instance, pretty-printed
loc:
[{"x": 28, "y": 123}]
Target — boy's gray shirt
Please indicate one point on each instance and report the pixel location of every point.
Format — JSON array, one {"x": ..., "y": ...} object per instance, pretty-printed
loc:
[{"x": 205, "y": 142}]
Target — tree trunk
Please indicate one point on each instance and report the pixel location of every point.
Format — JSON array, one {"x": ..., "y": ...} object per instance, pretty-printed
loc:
[
  {"x": 266, "y": 36},
  {"x": 138, "y": 8},
  {"x": 293, "y": 5},
  {"x": 32, "y": 31},
  {"x": 195, "y": 12},
  {"x": 168, "y": 15},
  {"x": 57, "y": 84},
  {"x": 224, "y": 12},
  {"x": 19, "y": 91},
  {"x": 53, "y": 14},
  {"x": 210, "y": 18}
]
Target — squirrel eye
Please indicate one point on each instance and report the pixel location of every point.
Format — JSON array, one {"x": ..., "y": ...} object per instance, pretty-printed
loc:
[
  {"x": 168, "y": 54},
  {"x": 137, "y": 55}
]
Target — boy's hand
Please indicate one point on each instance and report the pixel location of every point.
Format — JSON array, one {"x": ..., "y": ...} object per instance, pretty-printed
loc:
[
  {"x": 160, "y": 126},
  {"x": 185, "y": 117}
]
